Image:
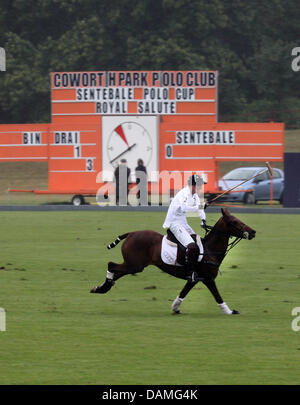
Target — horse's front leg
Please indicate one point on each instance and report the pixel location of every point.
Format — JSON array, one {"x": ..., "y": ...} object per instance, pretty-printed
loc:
[
  {"x": 211, "y": 285},
  {"x": 184, "y": 292}
]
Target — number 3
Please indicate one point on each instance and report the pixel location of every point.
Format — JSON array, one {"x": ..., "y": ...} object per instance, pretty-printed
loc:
[{"x": 89, "y": 165}]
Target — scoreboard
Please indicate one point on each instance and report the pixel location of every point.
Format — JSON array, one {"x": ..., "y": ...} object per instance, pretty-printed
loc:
[{"x": 169, "y": 119}]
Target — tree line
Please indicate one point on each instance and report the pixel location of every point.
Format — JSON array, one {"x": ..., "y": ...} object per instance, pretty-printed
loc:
[{"x": 248, "y": 42}]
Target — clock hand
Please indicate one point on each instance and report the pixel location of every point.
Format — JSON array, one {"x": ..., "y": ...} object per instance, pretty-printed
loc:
[
  {"x": 119, "y": 130},
  {"x": 127, "y": 150}
]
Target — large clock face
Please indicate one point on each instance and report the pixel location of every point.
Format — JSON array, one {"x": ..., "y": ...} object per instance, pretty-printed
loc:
[{"x": 131, "y": 139}]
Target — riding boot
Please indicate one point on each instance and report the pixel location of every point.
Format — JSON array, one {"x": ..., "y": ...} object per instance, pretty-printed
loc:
[
  {"x": 191, "y": 273},
  {"x": 192, "y": 254}
]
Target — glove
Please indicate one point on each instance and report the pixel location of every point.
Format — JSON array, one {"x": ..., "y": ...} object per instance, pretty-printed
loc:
[{"x": 203, "y": 224}]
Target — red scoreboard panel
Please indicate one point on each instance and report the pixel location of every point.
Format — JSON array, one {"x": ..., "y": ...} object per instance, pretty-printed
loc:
[{"x": 167, "y": 118}]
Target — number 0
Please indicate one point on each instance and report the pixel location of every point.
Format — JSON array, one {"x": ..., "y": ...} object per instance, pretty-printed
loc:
[{"x": 169, "y": 151}]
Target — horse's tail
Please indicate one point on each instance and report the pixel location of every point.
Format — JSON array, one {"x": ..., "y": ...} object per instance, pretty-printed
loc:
[{"x": 118, "y": 240}]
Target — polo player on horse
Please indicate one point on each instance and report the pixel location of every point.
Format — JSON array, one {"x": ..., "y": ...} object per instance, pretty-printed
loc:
[{"x": 185, "y": 201}]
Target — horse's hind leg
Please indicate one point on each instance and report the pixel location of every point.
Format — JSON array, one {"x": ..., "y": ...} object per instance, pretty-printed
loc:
[
  {"x": 114, "y": 272},
  {"x": 184, "y": 292},
  {"x": 107, "y": 285},
  {"x": 123, "y": 269}
]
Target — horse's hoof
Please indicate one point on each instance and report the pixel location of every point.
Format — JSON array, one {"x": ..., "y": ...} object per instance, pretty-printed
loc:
[
  {"x": 103, "y": 288},
  {"x": 235, "y": 312},
  {"x": 100, "y": 289}
]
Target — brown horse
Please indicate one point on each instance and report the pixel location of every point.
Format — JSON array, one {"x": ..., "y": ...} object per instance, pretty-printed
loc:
[{"x": 143, "y": 248}]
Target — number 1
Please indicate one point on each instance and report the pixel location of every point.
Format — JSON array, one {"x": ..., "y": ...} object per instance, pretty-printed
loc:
[{"x": 77, "y": 151}]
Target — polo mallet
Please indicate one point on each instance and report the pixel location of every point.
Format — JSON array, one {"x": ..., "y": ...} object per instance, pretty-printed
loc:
[{"x": 269, "y": 169}]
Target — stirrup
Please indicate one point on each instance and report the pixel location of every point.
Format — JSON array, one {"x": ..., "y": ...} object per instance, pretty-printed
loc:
[{"x": 193, "y": 277}]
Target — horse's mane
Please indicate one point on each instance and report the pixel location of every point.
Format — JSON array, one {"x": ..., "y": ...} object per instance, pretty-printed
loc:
[{"x": 213, "y": 229}]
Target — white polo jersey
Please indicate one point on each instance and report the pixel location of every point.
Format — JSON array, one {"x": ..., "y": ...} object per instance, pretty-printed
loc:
[{"x": 183, "y": 202}]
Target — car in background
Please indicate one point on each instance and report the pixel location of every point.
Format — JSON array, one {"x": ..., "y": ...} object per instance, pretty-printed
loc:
[{"x": 256, "y": 189}]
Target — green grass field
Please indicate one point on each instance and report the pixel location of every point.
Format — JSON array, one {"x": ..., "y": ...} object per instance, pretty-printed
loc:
[{"x": 59, "y": 333}]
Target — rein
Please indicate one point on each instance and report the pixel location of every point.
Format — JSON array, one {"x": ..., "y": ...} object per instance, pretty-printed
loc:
[{"x": 233, "y": 244}]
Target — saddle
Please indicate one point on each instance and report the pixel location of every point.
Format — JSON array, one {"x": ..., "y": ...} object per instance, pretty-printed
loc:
[{"x": 181, "y": 251}]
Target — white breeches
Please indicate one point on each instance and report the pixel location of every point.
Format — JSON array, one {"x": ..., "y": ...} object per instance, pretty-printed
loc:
[{"x": 182, "y": 232}]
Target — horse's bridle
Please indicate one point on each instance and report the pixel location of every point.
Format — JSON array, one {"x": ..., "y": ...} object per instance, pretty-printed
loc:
[
  {"x": 245, "y": 234},
  {"x": 237, "y": 239}
]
